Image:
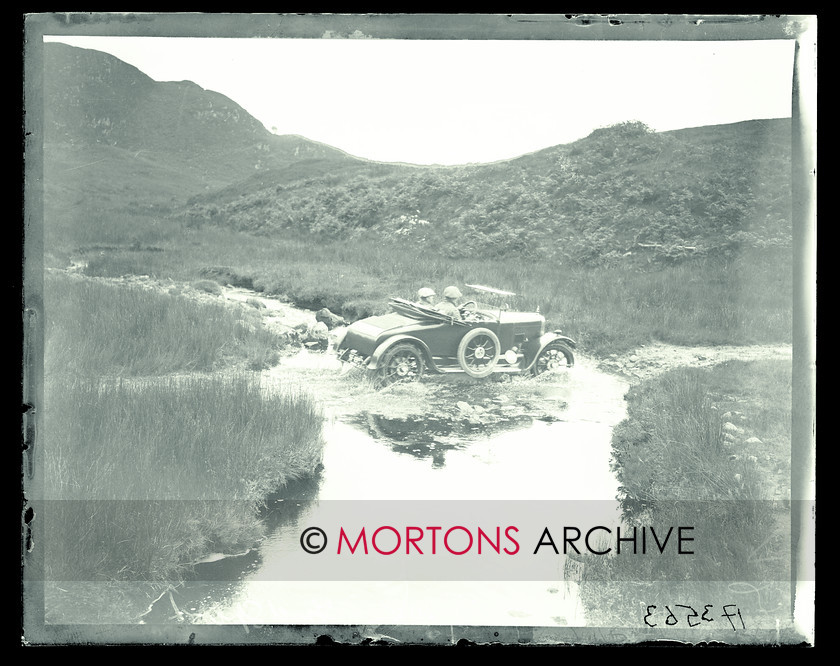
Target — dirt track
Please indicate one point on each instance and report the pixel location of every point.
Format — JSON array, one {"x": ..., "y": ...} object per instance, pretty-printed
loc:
[{"x": 650, "y": 360}]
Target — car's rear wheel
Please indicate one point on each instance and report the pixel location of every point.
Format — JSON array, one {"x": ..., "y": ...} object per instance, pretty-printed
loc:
[
  {"x": 402, "y": 362},
  {"x": 556, "y": 356},
  {"x": 478, "y": 352}
]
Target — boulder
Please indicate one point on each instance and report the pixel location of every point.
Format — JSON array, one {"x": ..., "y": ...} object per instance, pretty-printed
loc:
[
  {"x": 316, "y": 336},
  {"x": 329, "y": 319},
  {"x": 731, "y": 428},
  {"x": 319, "y": 331}
]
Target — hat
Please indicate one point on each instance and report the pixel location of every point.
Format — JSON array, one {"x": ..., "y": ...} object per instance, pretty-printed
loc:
[
  {"x": 452, "y": 292},
  {"x": 425, "y": 292}
]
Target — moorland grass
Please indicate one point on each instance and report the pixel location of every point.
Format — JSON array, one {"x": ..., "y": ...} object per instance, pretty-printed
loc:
[
  {"x": 746, "y": 299},
  {"x": 143, "y": 477},
  {"x": 96, "y": 328},
  {"x": 150, "y": 461},
  {"x": 677, "y": 465},
  {"x": 608, "y": 309}
]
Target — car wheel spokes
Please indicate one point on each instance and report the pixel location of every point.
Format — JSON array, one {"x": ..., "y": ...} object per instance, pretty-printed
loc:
[
  {"x": 554, "y": 359},
  {"x": 480, "y": 352},
  {"x": 404, "y": 366}
]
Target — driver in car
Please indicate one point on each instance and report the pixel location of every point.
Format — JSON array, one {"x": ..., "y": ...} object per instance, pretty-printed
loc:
[{"x": 449, "y": 304}]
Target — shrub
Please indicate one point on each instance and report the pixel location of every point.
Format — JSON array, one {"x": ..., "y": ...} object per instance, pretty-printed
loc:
[{"x": 208, "y": 286}]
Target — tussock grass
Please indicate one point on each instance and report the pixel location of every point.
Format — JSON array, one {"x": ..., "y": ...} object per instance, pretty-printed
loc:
[
  {"x": 677, "y": 465},
  {"x": 207, "y": 286},
  {"x": 97, "y": 328},
  {"x": 145, "y": 473},
  {"x": 149, "y": 475}
]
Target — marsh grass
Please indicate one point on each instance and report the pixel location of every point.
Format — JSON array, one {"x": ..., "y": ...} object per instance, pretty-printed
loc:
[
  {"x": 608, "y": 308},
  {"x": 677, "y": 466},
  {"x": 143, "y": 477},
  {"x": 95, "y": 328},
  {"x": 150, "y": 461}
]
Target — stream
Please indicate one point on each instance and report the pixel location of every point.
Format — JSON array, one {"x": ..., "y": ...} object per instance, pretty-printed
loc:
[{"x": 443, "y": 444}]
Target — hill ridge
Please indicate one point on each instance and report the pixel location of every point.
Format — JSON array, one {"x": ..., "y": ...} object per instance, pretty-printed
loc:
[{"x": 622, "y": 191}]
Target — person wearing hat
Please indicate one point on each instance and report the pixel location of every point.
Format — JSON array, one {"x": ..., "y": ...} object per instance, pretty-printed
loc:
[
  {"x": 425, "y": 295},
  {"x": 449, "y": 304}
]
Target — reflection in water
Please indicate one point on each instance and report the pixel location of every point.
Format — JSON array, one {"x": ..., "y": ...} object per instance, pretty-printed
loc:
[
  {"x": 223, "y": 578},
  {"x": 431, "y": 437}
]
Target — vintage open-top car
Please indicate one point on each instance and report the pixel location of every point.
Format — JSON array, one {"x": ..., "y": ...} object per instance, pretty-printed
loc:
[{"x": 413, "y": 338}]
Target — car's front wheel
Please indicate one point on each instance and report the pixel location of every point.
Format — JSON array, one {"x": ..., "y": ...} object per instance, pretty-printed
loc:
[
  {"x": 556, "y": 356},
  {"x": 478, "y": 352},
  {"x": 402, "y": 362}
]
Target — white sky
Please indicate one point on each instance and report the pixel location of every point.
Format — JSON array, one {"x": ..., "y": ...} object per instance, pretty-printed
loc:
[{"x": 460, "y": 101}]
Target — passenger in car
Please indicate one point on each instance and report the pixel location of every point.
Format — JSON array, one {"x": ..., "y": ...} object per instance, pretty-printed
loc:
[
  {"x": 449, "y": 304},
  {"x": 425, "y": 296}
]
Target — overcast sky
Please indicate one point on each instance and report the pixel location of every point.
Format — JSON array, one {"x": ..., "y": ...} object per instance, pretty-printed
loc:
[{"x": 461, "y": 101}]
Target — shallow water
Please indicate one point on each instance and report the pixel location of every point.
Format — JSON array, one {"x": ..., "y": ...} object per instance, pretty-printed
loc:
[
  {"x": 442, "y": 446},
  {"x": 374, "y": 462}
]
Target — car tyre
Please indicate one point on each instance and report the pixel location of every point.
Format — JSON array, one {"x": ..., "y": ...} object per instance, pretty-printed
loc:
[
  {"x": 555, "y": 356},
  {"x": 478, "y": 352},
  {"x": 402, "y": 362}
]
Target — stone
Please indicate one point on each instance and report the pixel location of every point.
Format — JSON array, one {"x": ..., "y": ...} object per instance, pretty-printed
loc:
[
  {"x": 734, "y": 417},
  {"x": 314, "y": 336},
  {"x": 318, "y": 331},
  {"x": 329, "y": 319}
]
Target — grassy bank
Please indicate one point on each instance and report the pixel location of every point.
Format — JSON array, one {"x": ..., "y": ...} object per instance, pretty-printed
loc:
[
  {"x": 95, "y": 328},
  {"x": 609, "y": 308},
  {"x": 143, "y": 479},
  {"x": 709, "y": 449},
  {"x": 147, "y": 465}
]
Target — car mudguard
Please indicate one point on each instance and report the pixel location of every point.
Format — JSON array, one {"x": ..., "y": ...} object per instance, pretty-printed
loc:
[
  {"x": 544, "y": 340},
  {"x": 551, "y": 336},
  {"x": 373, "y": 361}
]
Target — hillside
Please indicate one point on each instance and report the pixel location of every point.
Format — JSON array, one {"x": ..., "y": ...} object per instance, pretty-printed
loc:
[
  {"x": 117, "y": 142},
  {"x": 114, "y": 138},
  {"x": 623, "y": 191}
]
